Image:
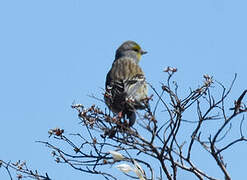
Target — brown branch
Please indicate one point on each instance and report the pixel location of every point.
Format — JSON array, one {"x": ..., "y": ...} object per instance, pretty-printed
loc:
[{"x": 158, "y": 139}]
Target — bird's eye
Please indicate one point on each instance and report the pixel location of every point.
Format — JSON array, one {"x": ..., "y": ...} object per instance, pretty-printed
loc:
[{"x": 136, "y": 50}]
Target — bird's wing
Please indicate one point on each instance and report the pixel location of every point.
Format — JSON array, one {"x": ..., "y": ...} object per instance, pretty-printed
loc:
[
  {"x": 125, "y": 76},
  {"x": 125, "y": 80},
  {"x": 133, "y": 85}
]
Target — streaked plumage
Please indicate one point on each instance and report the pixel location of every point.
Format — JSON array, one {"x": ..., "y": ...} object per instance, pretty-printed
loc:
[{"x": 126, "y": 89}]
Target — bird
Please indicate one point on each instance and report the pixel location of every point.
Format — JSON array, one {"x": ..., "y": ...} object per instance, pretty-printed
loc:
[{"x": 125, "y": 87}]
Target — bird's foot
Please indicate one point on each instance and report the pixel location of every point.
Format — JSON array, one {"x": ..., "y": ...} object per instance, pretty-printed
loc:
[{"x": 120, "y": 115}]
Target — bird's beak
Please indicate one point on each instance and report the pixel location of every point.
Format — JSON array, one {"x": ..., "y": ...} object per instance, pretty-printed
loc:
[{"x": 143, "y": 52}]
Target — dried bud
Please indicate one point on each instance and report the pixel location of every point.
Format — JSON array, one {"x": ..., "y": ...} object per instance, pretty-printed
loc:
[
  {"x": 208, "y": 80},
  {"x": 53, "y": 153},
  {"x": 94, "y": 140},
  {"x": 153, "y": 119},
  {"x": 167, "y": 69},
  {"x": 92, "y": 108},
  {"x": 107, "y": 118},
  {"x": 174, "y": 69},
  {"x": 56, "y": 131},
  {"x": 57, "y": 160},
  {"x": 59, "y": 132},
  {"x": 77, "y": 106},
  {"x": 171, "y": 69},
  {"x": 76, "y": 150},
  {"x": 16, "y": 164},
  {"x": 19, "y": 176},
  {"x": 164, "y": 88},
  {"x": 23, "y": 163},
  {"x": 50, "y": 133},
  {"x": 105, "y": 161}
]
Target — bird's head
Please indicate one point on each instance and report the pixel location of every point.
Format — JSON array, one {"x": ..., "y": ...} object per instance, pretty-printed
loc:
[{"x": 130, "y": 49}]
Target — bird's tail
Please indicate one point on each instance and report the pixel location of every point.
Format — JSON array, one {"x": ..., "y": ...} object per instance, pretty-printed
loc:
[{"x": 131, "y": 115}]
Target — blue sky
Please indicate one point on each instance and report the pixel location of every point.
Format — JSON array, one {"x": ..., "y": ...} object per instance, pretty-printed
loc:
[{"x": 54, "y": 52}]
